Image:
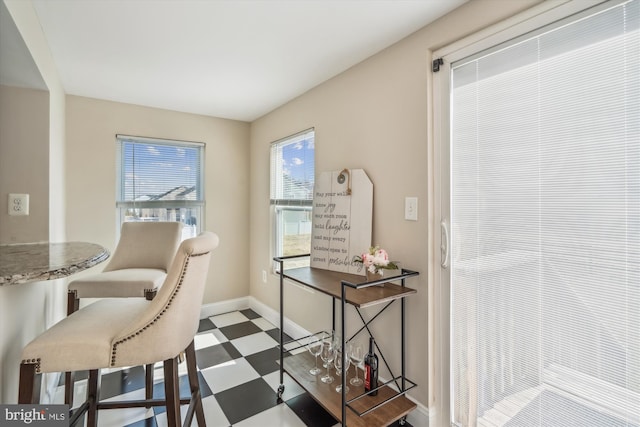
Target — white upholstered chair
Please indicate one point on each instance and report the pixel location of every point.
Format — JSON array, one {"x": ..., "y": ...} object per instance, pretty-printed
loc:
[
  {"x": 131, "y": 332},
  {"x": 137, "y": 268}
]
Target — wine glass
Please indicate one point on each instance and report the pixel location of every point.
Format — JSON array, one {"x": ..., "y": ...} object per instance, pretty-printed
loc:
[
  {"x": 327, "y": 354},
  {"x": 314, "y": 345},
  {"x": 337, "y": 341},
  {"x": 341, "y": 359},
  {"x": 357, "y": 357},
  {"x": 333, "y": 338}
]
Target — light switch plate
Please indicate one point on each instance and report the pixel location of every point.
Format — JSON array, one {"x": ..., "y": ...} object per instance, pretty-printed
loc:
[
  {"x": 411, "y": 208},
  {"x": 18, "y": 204}
]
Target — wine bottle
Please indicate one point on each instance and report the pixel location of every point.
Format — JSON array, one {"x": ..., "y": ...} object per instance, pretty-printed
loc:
[{"x": 371, "y": 370}]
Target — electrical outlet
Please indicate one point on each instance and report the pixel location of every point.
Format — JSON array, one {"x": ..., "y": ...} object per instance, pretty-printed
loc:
[
  {"x": 264, "y": 276},
  {"x": 411, "y": 208},
  {"x": 18, "y": 204}
]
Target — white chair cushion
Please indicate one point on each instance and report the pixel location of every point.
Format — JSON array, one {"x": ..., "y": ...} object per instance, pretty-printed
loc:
[
  {"x": 130, "y": 282},
  {"x": 84, "y": 339}
]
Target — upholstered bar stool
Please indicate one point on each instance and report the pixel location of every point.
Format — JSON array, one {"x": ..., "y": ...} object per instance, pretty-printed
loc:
[
  {"x": 131, "y": 332},
  {"x": 137, "y": 268}
]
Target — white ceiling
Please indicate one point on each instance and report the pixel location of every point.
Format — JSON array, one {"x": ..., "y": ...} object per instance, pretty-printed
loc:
[{"x": 236, "y": 59}]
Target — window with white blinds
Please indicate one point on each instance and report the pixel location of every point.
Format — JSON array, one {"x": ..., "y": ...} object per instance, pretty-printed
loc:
[
  {"x": 292, "y": 181},
  {"x": 545, "y": 222},
  {"x": 160, "y": 180}
]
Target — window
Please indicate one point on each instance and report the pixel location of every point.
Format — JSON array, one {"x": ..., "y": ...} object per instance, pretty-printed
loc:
[
  {"x": 160, "y": 180},
  {"x": 545, "y": 218},
  {"x": 292, "y": 179}
]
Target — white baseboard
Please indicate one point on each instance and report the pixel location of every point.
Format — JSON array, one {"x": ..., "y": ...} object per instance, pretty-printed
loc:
[
  {"x": 290, "y": 328},
  {"x": 420, "y": 416},
  {"x": 213, "y": 309}
]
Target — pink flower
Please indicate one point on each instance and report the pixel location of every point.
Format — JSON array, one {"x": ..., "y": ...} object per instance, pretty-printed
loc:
[
  {"x": 381, "y": 257},
  {"x": 367, "y": 259},
  {"x": 375, "y": 260}
]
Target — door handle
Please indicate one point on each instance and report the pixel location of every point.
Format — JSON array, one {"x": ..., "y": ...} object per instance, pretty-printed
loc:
[{"x": 444, "y": 244}]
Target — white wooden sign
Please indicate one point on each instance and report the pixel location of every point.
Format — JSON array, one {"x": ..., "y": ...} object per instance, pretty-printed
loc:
[{"x": 342, "y": 220}]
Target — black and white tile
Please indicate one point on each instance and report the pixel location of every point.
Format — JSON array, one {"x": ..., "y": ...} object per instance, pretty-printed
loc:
[{"x": 237, "y": 358}]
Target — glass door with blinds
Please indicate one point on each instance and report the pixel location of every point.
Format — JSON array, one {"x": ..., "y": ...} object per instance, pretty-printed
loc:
[{"x": 544, "y": 231}]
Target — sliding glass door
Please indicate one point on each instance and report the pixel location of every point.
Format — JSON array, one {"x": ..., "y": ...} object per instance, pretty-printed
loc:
[{"x": 543, "y": 255}]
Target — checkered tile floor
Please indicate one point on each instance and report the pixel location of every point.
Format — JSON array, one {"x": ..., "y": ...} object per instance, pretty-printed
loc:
[{"x": 237, "y": 359}]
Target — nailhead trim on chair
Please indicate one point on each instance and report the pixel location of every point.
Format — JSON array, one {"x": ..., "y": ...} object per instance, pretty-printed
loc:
[
  {"x": 33, "y": 362},
  {"x": 155, "y": 319}
]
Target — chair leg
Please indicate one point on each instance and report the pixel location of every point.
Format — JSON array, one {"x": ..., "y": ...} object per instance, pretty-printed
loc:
[
  {"x": 93, "y": 397},
  {"x": 73, "y": 304},
  {"x": 194, "y": 385},
  {"x": 69, "y": 379},
  {"x": 149, "y": 294},
  {"x": 172, "y": 392},
  {"x": 148, "y": 384},
  {"x": 29, "y": 387}
]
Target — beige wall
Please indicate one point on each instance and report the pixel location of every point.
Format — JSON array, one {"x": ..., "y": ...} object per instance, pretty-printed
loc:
[
  {"x": 24, "y": 168},
  {"x": 27, "y": 310},
  {"x": 24, "y": 162},
  {"x": 375, "y": 116},
  {"x": 91, "y": 179}
]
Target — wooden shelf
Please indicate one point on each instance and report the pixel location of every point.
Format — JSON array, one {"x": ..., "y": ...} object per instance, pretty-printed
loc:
[
  {"x": 325, "y": 394},
  {"x": 329, "y": 282}
]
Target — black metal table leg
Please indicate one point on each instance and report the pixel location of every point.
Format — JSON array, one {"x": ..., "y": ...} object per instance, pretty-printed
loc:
[
  {"x": 281, "y": 386},
  {"x": 343, "y": 373},
  {"x": 402, "y": 340},
  {"x": 333, "y": 316}
]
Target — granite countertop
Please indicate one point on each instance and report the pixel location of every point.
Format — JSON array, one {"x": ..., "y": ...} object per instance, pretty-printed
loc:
[{"x": 32, "y": 262}]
